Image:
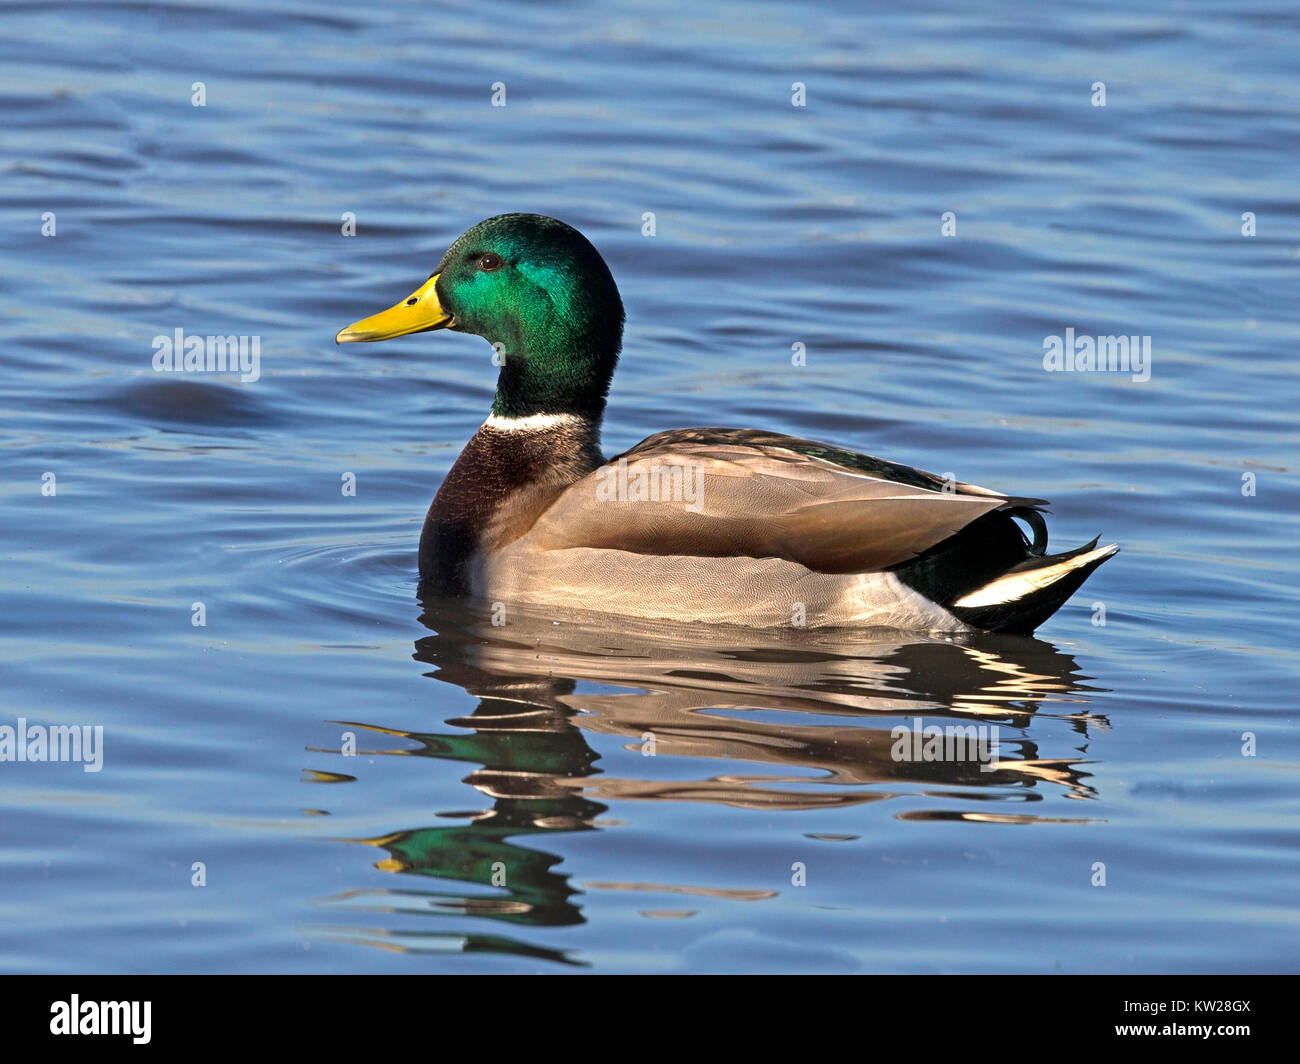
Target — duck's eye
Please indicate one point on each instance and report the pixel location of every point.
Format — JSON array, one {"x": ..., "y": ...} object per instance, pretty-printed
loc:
[{"x": 490, "y": 261}]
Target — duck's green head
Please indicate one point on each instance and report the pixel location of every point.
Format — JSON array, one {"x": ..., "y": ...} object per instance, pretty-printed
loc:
[{"x": 537, "y": 291}]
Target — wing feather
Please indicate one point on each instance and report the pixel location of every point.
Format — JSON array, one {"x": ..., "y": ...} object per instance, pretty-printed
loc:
[{"x": 744, "y": 493}]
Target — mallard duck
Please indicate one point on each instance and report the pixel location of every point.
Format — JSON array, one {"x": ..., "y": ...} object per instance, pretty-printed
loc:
[{"x": 719, "y": 525}]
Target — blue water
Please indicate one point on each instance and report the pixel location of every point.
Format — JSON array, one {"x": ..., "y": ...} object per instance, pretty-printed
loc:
[{"x": 501, "y": 811}]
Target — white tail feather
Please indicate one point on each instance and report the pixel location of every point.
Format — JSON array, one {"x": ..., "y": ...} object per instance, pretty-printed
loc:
[{"x": 1015, "y": 586}]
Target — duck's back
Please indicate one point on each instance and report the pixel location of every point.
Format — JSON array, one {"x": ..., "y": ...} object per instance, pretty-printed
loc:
[{"x": 754, "y": 528}]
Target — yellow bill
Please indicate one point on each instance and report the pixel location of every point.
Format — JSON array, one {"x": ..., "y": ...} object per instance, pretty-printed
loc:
[{"x": 418, "y": 312}]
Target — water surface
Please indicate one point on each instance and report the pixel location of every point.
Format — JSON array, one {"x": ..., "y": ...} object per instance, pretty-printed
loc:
[{"x": 375, "y": 783}]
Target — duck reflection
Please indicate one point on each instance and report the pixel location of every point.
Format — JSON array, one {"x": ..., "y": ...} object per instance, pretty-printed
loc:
[{"x": 808, "y": 719}]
